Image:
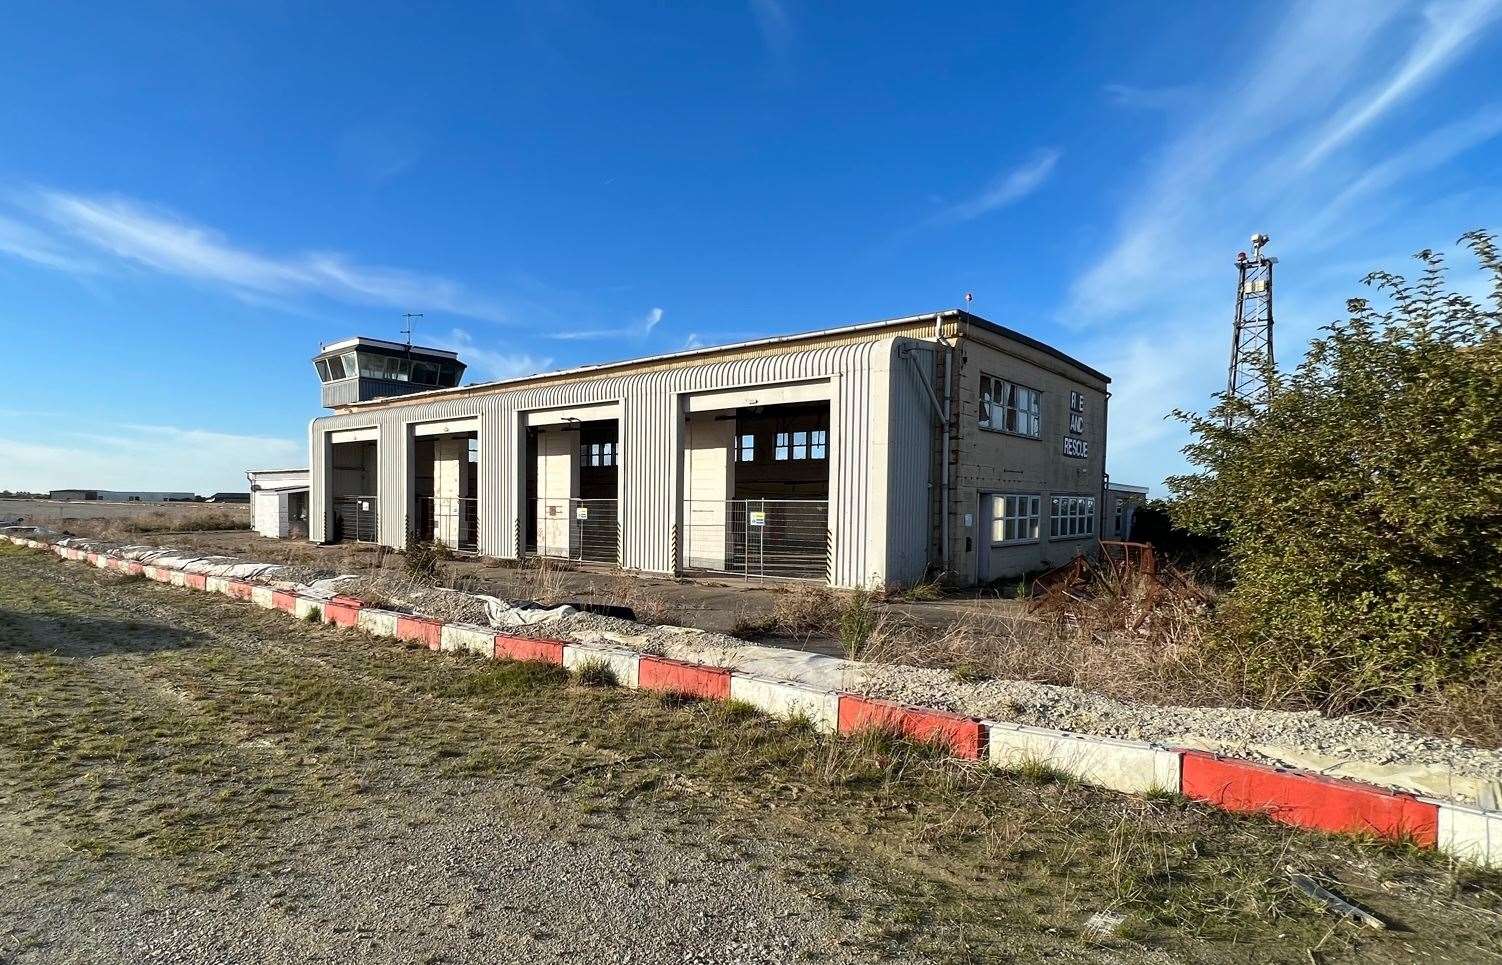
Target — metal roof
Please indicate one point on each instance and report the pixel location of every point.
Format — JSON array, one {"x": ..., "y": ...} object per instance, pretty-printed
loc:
[{"x": 595, "y": 367}]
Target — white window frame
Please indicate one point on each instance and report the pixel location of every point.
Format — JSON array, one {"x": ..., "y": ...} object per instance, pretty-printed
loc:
[
  {"x": 1018, "y": 514},
  {"x": 1071, "y": 516},
  {"x": 993, "y": 414}
]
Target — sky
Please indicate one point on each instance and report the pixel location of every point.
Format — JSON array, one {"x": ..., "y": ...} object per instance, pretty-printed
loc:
[{"x": 194, "y": 196}]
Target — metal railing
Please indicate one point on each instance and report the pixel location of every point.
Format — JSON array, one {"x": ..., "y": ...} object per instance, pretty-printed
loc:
[
  {"x": 586, "y": 530},
  {"x": 451, "y": 520},
  {"x": 355, "y": 519},
  {"x": 758, "y": 538}
]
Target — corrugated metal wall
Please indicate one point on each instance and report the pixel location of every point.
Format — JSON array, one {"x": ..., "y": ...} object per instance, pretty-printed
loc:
[
  {"x": 649, "y": 464},
  {"x": 912, "y": 422}
]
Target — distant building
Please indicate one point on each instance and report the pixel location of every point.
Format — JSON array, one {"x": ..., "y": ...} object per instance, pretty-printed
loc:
[
  {"x": 118, "y": 496},
  {"x": 279, "y": 502},
  {"x": 229, "y": 498},
  {"x": 1122, "y": 503}
]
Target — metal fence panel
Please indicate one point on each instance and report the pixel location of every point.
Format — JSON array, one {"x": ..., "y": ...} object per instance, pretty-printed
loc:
[
  {"x": 450, "y": 520},
  {"x": 355, "y": 519},
  {"x": 759, "y": 538},
  {"x": 586, "y": 530}
]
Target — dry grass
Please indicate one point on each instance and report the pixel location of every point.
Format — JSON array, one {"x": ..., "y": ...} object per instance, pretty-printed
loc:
[
  {"x": 641, "y": 598},
  {"x": 804, "y": 611},
  {"x": 165, "y": 521}
]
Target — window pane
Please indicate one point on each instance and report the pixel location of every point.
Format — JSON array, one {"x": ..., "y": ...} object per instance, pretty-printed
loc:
[
  {"x": 323, "y": 369},
  {"x": 336, "y": 368},
  {"x": 782, "y": 446}
]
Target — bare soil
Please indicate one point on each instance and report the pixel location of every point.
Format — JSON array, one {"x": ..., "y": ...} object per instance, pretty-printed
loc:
[{"x": 188, "y": 778}]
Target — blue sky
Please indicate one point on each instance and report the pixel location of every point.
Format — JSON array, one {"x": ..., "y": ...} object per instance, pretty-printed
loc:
[{"x": 193, "y": 196}]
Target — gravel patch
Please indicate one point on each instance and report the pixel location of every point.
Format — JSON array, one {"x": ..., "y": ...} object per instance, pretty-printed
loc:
[
  {"x": 1345, "y": 746},
  {"x": 480, "y": 883}
]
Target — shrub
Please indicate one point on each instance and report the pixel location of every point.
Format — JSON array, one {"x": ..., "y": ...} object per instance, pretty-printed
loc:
[
  {"x": 424, "y": 559},
  {"x": 1361, "y": 510}
]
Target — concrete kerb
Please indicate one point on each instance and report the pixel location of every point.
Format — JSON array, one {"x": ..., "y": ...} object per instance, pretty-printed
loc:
[
  {"x": 623, "y": 663},
  {"x": 461, "y": 637},
  {"x": 1119, "y": 765},
  {"x": 1286, "y": 794},
  {"x": 787, "y": 701},
  {"x": 377, "y": 623},
  {"x": 1470, "y": 834},
  {"x": 263, "y": 597}
]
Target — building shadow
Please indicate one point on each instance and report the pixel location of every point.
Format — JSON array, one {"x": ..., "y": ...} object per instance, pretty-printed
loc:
[{"x": 82, "y": 637}]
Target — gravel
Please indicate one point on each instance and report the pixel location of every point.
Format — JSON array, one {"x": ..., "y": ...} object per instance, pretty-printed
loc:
[
  {"x": 1344, "y": 746},
  {"x": 498, "y": 876}
]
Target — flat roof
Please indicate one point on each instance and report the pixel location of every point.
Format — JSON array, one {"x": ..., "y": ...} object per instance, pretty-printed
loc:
[
  {"x": 361, "y": 341},
  {"x": 594, "y": 367}
]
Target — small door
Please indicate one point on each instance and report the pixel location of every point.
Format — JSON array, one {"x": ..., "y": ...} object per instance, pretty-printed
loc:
[{"x": 982, "y": 532}]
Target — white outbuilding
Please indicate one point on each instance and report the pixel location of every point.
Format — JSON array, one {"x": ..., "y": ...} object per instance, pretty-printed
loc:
[{"x": 279, "y": 502}]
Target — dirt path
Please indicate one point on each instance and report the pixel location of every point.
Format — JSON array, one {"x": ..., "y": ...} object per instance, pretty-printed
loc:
[{"x": 186, "y": 778}]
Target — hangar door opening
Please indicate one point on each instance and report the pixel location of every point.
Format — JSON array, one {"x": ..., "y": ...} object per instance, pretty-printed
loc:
[
  {"x": 352, "y": 483},
  {"x": 756, "y": 491},
  {"x": 571, "y": 509},
  {"x": 445, "y": 488}
]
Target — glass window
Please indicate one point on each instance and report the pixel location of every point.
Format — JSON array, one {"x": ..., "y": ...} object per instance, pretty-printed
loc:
[
  {"x": 818, "y": 442},
  {"x": 350, "y": 364},
  {"x": 780, "y": 451},
  {"x": 1071, "y": 517},
  {"x": 1014, "y": 519},
  {"x": 800, "y": 445},
  {"x": 745, "y": 448},
  {"x": 323, "y": 369},
  {"x": 424, "y": 373},
  {"x": 336, "y": 368},
  {"x": 1010, "y": 407}
]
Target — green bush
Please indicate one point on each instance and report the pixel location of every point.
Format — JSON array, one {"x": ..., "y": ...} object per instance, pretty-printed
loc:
[
  {"x": 424, "y": 560},
  {"x": 1361, "y": 509}
]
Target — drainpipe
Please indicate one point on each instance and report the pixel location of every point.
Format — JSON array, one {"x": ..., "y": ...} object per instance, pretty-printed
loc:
[
  {"x": 943, "y": 412},
  {"x": 944, "y": 449}
]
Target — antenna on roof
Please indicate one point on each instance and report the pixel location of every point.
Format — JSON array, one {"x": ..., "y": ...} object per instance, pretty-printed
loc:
[{"x": 409, "y": 316}]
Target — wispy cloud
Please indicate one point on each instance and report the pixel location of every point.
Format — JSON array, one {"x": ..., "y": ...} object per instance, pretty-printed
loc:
[
  {"x": 1276, "y": 148},
  {"x": 72, "y": 232},
  {"x": 488, "y": 363},
  {"x": 1450, "y": 29},
  {"x": 27, "y": 243},
  {"x": 148, "y": 457},
  {"x": 776, "y": 28},
  {"x": 1149, "y": 98},
  {"x": 1006, "y": 188},
  {"x": 640, "y": 330}
]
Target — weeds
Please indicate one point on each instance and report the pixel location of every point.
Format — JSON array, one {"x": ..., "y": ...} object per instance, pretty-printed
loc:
[
  {"x": 425, "y": 558},
  {"x": 596, "y": 672},
  {"x": 858, "y": 620},
  {"x": 804, "y": 611}
]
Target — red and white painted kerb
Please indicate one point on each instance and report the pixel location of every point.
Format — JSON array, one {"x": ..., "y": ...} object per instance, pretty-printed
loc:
[{"x": 1289, "y": 795}]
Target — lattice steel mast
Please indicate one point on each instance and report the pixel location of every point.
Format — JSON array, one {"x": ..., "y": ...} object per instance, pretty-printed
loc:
[{"x": 1251, "y": 369}]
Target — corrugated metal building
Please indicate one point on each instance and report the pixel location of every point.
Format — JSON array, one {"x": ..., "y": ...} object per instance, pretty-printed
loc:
[{"x": 865, "y": 455}]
